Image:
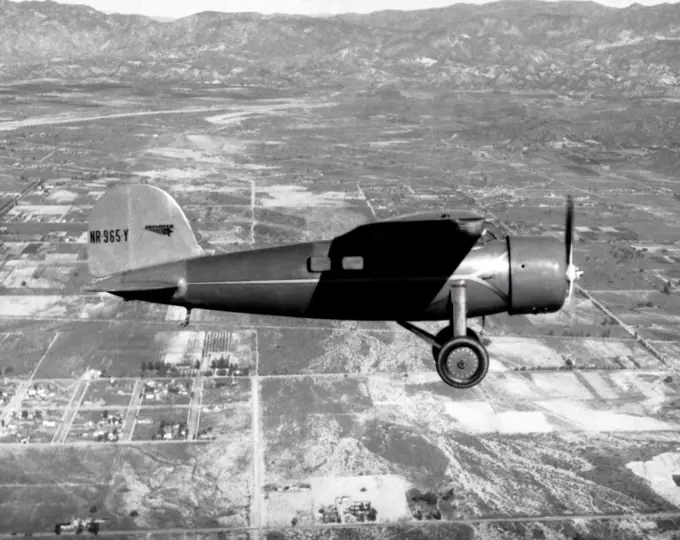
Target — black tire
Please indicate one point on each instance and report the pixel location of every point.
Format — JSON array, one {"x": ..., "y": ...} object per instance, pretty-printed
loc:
[
  {"x": 446, "y": 334},
  {"x": 450, "y": 378}
]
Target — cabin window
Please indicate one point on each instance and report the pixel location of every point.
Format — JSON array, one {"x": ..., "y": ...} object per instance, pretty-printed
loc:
[
  {"x": 318, "y": 264},
  {"x": 352, "y": 263}
]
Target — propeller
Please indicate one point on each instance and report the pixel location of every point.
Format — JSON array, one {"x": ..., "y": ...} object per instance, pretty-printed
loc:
[{"x": 572, "y": 273}]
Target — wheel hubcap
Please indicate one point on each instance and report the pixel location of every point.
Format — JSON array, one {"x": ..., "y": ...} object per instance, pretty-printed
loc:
[{"x": 462, "y": 363}]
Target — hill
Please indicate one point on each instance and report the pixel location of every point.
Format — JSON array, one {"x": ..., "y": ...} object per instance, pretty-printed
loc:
[{"x": 510, "y": 45}]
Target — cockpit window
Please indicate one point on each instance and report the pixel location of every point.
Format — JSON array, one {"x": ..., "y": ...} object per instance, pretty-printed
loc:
[
  {"x": 352, "y": 263},
  {"x": 318, "y": 264}
]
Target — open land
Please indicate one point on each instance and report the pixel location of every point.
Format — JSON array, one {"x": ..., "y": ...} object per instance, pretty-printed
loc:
[{"x": 252, "y": 427}]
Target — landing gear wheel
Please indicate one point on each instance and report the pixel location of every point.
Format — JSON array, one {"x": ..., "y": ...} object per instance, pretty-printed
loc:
[
  {"x": 462, "y": 362},
  {"x": 446, "y": 334}
]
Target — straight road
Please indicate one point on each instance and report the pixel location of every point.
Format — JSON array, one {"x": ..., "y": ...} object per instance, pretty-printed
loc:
[
  {"x": 195, "y": 407},
  {"x": 412, "y": 523},
  {"x": 70, "y": 413},
  {"x": 132, "y": 411}
]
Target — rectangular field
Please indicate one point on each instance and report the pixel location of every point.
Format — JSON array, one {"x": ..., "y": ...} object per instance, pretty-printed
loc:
[
  {"x": 22, "y": 351},
  {"x": 109, "y": 393},
  {"x": 654, "y": 314},
  {"x": 37, "y": 426},
  {"x": 222, "y": 391},
  {"x": 169, "y": 392},
  {"x": 40, "y": 276},
  {"x": 161, "y": 424},
  {"x": 118, "y": 350},
  {"x": 41, "y": 306},
  {"x": 112, "y": 477},
  {"x": 95, "y": 426},
  {"x": 529, "y": 353},
  {"x": 228, "y": 424},
  {"x": 310, "y": 395},
  {"x": 52, "y": 394},
  {"x": 346, "y": 348},
  {"x": 318, "y": 497}
]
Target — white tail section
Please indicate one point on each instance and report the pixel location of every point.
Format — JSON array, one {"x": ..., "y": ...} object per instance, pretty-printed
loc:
[{"x": 137, "y": 225}]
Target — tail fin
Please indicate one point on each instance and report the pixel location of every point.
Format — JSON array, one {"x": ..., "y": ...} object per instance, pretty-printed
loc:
[{"x": 137, "y": 225}]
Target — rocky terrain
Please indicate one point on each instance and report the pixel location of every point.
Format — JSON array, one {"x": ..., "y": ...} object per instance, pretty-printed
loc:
[{"x": 525, "y": 45}]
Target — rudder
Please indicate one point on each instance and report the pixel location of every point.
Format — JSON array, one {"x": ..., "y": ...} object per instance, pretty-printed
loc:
[{"x": 137, "y": 225}]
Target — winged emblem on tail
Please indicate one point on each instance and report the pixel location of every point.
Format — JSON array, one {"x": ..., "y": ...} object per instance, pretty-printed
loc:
[{"x": 165, "y": 229}]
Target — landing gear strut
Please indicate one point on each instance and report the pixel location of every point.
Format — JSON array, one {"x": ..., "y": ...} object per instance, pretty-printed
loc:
[
  {"x": 462, "y": 361},
  {"x": 186, "y": 320},
  {"x": 446, "y": 334}
]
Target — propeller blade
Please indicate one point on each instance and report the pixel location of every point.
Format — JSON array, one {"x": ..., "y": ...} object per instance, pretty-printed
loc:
[
  {"x": 571, "y": 292},
  {"x": 569, "y": 229},
  {"x": 569, "y": 307},
  {"x": 572, "y": 272}
]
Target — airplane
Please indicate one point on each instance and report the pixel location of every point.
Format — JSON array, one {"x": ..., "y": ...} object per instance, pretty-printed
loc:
[{"x": 432, "y": 266}]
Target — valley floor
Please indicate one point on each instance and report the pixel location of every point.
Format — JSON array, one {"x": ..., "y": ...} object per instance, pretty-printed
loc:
[{"x": 252, "y": 427}]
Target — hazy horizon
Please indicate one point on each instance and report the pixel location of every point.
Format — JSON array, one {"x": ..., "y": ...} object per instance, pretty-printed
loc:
[{"x": 173, "y": 9}]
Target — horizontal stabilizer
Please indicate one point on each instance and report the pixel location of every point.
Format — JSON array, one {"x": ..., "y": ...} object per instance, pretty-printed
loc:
[{"x": 115, "y": 285}]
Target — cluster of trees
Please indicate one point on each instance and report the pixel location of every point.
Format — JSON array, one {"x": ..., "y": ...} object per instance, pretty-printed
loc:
[
  {"x": 581, "y": 333},
  {"x": 160, "y": 366},
  {"x": 571, "y": 365},
  {"x": 220, "y": 368},
  {"x": 429, "y": 506},
  {"x": 220, "y": 363},
  {"x": 623, "y": 254}
]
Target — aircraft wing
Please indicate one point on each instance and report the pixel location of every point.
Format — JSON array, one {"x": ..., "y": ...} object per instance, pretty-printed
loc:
[
  {"x": 432, "y": 243},
  {"x": 450, "y": 214},
  {"x": 468, "y": 222},
  {"x": 466, "y": 226}
]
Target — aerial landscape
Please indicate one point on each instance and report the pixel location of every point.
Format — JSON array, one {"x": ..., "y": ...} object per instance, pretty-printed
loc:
[{"x": 276, "y": 129}]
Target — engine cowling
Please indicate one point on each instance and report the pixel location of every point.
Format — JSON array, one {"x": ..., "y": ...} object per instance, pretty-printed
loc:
[{"x": 537, "y": 274}]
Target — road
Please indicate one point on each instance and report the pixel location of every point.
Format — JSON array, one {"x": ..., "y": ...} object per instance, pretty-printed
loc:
[
  {"x": 256, "y": 501},
  {"x": 132, "y": 411},
  {"x": 195, "y": 407},
  {"x": 243, "y": 110},
  {"x": 47, "y": 121},
  {"x": 15, "y": 403},
  {"x": 661, "y": 370},
  {"x": 412, "y": 523},
  {"x": 629, "y": 329},
  {"x": 70, "y": 413}
]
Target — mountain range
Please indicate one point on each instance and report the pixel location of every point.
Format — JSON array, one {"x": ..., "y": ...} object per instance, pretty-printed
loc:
[{"x": 509, "y": 45}]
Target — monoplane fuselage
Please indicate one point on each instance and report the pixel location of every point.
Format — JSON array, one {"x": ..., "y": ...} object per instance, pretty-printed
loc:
[{"x": 422, "y": 267}]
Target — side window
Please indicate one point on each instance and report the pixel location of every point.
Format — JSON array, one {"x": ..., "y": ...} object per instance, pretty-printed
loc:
[
  {"x": 352, "y": 263},
  {"x": 318, "y": 264}
]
